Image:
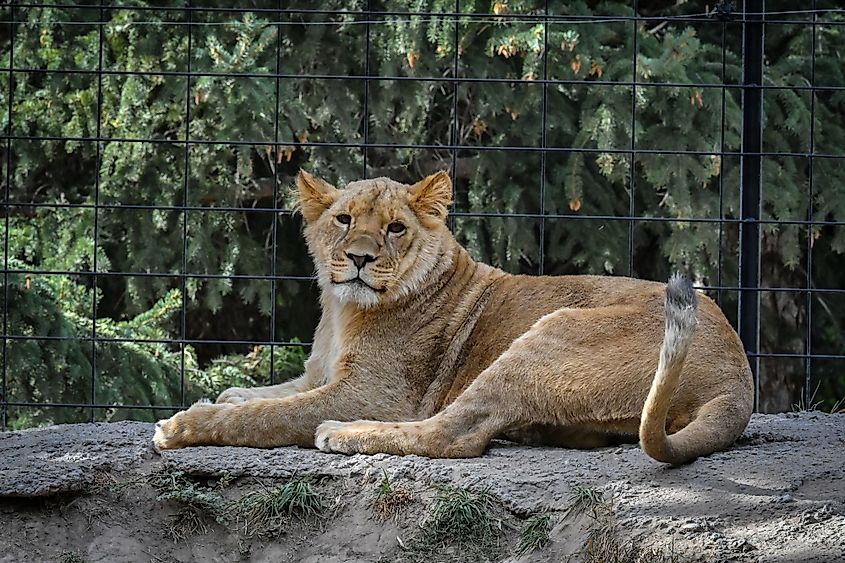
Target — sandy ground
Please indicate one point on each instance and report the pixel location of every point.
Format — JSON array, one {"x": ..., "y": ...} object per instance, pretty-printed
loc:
[{"x": 78, "y": 493}]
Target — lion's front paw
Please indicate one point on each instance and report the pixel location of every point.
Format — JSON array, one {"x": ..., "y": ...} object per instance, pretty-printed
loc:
[
  {"x": 359, "y": 437},
  {"x": 327, "y": 438},
  {"x": 187, "y": 428},
  {"x": 168, "y": 433},
  {"x": 234, "y": 396}
]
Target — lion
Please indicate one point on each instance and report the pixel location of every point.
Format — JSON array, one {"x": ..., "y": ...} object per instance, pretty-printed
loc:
[{"x": 422, "y": 350}]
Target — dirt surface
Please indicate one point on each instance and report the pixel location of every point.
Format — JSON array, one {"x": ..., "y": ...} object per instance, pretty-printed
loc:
[{"x": 88, "y": 492}]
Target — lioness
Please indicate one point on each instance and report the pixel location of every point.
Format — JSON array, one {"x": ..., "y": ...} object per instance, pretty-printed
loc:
[{"x": 422, "y": 350}]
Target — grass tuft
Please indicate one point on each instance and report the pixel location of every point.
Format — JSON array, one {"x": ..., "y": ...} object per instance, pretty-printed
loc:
[
  {"x": 814, "y": 405},
  {"x": 586, "y": 498},
  {"x": 265, "y": 513},
  {"x": 535, "y": 534},
  {"x": 460, "y": 527},
  {"x": 201, "y": 504},
  {"x": 71, "y": 557},
  {"x": 603, "y": 544},
  {"x": 802, "y": 406},
  {"x": 385, "y": 487},
  {"x": 390, "y": 499},
  {"x": 176, "y": 486},
  {"x": 186, "y": 523},
  {"x": 459, "y": 515}
]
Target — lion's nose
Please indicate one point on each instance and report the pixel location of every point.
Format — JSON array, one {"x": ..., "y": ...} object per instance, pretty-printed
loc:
[{"x": 360, "y": 260}]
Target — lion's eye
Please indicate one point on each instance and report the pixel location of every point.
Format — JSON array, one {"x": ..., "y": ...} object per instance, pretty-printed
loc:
[
  {"x": 343, "y": 218},
  {"x": 396, "y": 228}
]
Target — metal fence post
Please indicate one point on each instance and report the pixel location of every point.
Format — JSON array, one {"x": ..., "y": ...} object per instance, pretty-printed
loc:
[{"x": 752, "y": 140}]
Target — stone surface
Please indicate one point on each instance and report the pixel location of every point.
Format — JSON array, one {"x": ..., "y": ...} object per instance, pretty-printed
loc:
[
  {"x": 65, "y": 458},
  {"x": 777, "y": 495}
]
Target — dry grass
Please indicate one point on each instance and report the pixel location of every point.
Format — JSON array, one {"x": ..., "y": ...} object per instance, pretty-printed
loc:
[
  {"x": 814, "y": 405},
  {"x": 187, "y": 523},
  {"x": 603, "y": 544},
  {"x": 390, "y": 499}
]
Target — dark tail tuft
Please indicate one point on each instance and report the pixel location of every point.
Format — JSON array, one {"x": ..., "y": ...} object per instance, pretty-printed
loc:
[{"x": 680, "y": 293}]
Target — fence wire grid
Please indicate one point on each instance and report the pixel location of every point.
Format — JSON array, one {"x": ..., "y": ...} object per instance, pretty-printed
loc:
[{"x": 217, "y": 106}]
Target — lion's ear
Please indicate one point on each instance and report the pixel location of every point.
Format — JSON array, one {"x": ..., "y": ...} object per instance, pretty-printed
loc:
[
  {"x": 432, "y": 195},
  {"x": 315, "y": 195}
]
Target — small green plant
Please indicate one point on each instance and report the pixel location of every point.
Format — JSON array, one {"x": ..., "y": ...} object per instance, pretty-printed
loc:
[
  {"x": 225, "y": 480},
  {"x": 535, "y": 533},
  {"x": 265, "y": 513},
  {"x": 385, "y": 487},
  {"x": 460, "y": 525},
  {"x": 389, "y": 498}
]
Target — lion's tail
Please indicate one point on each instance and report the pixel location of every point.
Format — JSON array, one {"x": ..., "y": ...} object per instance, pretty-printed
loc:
[{"x": 681, "y": 320}]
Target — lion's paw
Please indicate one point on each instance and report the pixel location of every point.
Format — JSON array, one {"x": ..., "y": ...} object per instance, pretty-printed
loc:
[
  {"x": 186, "y": 428},
  {"x": 234, "y": 396},
  {"x": 167, "y": 433},
  {"x": 327, "y": 437}
]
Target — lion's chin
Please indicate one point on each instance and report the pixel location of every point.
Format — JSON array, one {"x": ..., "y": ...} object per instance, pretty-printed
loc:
[{"x": 356, "y": 293}]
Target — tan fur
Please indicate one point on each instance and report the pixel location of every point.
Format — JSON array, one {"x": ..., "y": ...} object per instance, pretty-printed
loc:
[{"x": 432, "y": 353}]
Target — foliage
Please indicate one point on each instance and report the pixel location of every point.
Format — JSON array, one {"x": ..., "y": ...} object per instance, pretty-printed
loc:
[
  {"x": 232, "y": 174},
  {"x": 59, "y": 370}
]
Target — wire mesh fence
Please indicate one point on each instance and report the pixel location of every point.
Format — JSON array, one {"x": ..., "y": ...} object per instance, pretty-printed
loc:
[{"x": 150, "y": 255}]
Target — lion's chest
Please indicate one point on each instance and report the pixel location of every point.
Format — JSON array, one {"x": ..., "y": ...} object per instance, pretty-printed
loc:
[{"x": 406, "y": 353}]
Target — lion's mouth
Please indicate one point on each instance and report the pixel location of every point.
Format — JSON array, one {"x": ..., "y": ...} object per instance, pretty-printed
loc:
[{"x": 358, "y": 281}]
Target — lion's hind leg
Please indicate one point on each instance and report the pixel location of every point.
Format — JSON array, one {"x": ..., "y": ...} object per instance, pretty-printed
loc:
[
  {"x": 493, "y": 403},
  {"x": 537, "y": 381}
]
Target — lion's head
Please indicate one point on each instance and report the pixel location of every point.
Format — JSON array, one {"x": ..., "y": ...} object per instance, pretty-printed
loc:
[{"x": 375, "y": 241}]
